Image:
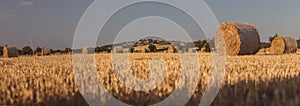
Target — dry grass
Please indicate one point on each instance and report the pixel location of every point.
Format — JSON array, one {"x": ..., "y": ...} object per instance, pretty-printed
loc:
[{"x": 249, "y": 80}]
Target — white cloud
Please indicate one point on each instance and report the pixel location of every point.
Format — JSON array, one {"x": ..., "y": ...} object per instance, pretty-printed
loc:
[{"x": 26, "y": 3}]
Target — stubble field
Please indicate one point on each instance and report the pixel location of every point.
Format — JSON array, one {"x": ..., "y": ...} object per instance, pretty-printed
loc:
[{"x": 248, "y": 80}]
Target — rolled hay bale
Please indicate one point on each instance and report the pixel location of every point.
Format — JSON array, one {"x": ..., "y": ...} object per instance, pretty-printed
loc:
[
  {"x": 5, "y": 52},
  {"x": 46, "y": 51},
  {"x": 84, "y": 50},
  {"x": 240, "y": 39},
  {"x": 145, "y": 50},
  {"x": 141, "y": 49},
  {"x": 118, "y": 49},
  {"x": 192, "y": 50},
  {"x": 278, "y": 45},
  {"x": 281, "y": 45},
  {"x": 291, "y": 45},
  {"x": 88, "y": 50},
  {"x": 10, "y": 51},
  {"x": 171, "y": 49},
  {"x": 126, "y": 50}
]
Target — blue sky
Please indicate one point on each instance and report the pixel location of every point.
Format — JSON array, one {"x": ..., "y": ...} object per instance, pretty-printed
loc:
[{"x": 52, "y": 23}]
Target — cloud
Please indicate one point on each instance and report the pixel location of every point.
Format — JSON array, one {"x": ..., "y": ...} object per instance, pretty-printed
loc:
[{"x": 26, "y": 3}]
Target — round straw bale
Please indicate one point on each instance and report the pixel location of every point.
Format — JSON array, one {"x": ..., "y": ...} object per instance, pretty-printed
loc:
[
  {"x": 84, "y": 50},
  {"x": 240, "y": 39},
  {"x": 118, "y": 49},
  {"x": 192, "y": 50},
  {"x": 5, "y": 52},
  {"x": 88, "y": 50},
  {"x": 282, "y": 45},
  {"x": 143, "y": 50},
  {"x": 170, "y": 49},
  {"x": 46, "y": 51},
  {"x": 277, "y": 45},
  {"x": 10, "y": 51},
  {"x": 290, "y": 45}
]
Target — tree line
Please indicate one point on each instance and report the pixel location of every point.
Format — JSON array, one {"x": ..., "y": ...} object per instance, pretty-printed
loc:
[
  {"x": 207, "y": 44},
  {"x": 28, "y": 51}
]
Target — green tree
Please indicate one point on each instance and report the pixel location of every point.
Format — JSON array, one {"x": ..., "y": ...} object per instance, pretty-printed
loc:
[
  {"x": 106, "y": 48},
  {"x": 98, "y": 49},
  {"x": 67, "y": 50},
  {"x": 132, "y": 50},
  {"x": 38, "y": 50},
  {"x": 208, "y": 47},
  {"x": 27, "y": 51},
  {"x": 198, "y": 43},
  {"x": 1, "y": 50}
]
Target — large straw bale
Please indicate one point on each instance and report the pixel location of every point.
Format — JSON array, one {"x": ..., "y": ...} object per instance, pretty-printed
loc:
[
  {"x": 88, "y": 50},
  {"x": 118, "y": 49},
  {"x": 281, "y": 45},
  {"x": 171, "y": 49},
  {"x": 10, "y": 51},
  {"x": 240, "y": 39},
  {"x": 192, "y": 50},
  {"x": 126, "y": 50},
  {"x": 141, "y": 49},
  {"x": 46, "y": 51},
  {"x": 290, "y": 45}
]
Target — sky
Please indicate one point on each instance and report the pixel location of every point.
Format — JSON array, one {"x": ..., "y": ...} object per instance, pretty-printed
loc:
[{"x": 52, "y": 23}]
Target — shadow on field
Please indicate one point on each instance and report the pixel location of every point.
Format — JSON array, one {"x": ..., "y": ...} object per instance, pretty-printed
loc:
[
  {"x": 284, "y": 92},
  {"x": 77, "y": 100},
  {"x": 275, "y": 93}
]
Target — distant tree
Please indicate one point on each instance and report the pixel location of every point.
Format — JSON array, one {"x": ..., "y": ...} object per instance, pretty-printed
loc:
[
  {"x": 152, "y": 48},
  {"x": 1, "y": 50},
  {"x": 20, "y": 52},
  {"x": 200, "y": 44},
  {"x": 27, "y": 51},
  {"x": 51, "y": 51},
  {"x": 106, "y": 48},
  {"x": 56, "y": 51},
  {"x": 150, "y": 40},
  {"x": 204, "y": 43},
  {"x": 38, "y": 50},
  {"x": 98, "y": 49},
  {"x": 131, "y": 50},
  {"x": 208, "y": 47},
  {"x": 67, "y": 50},
  {"x": 76, "y": 50}
]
